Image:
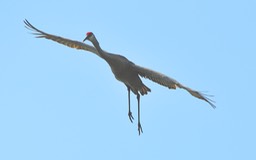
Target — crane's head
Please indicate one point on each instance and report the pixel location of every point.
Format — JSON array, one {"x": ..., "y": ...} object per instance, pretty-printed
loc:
[{"x": 89, "y": 36}]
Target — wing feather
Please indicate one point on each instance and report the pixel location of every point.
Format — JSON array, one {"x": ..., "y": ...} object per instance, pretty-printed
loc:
[
  {"x": 170, "y": 83},
  {"x": 61, "y": 40}
]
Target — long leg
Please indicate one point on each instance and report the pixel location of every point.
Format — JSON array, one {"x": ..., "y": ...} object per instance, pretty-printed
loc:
[
  {"x": 129, "y": 106},
  {"x": 139, "y": 125}
]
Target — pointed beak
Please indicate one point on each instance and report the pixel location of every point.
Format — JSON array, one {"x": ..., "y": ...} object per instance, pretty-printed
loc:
[{"x": 85, "y": 38}]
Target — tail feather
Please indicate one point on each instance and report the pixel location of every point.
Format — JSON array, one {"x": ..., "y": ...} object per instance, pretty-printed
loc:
[{"x": 144, "y": 90}]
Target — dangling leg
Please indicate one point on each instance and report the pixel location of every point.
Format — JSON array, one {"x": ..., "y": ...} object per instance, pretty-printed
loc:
[
  {"x": 139, "y": 125},
  {"x": 129, "y": 106}
]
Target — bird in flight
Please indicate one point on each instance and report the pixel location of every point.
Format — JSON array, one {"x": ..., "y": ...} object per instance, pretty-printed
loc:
[{"x": 123, "y": 69}]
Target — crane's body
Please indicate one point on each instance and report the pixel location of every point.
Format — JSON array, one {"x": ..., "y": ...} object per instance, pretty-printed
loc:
[{"x": 123, "y": 69}]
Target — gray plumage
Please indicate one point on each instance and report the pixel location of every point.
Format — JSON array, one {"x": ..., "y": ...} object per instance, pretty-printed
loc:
[{"x": 123, "y": 69}]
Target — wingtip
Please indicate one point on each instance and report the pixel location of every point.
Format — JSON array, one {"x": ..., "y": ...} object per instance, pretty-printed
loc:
[
  {"x": 26, "y": 22},
  {"x": 211, "y": 102},
  {"x": 213, "y": 106}
]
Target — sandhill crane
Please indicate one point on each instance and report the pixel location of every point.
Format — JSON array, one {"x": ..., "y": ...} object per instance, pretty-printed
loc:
[{"x": 123, "y": 69}]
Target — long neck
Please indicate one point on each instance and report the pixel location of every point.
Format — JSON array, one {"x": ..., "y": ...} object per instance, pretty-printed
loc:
[{"x": 96, "y": 44}]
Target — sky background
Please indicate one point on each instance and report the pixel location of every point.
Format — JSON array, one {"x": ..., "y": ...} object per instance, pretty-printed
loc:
[{"x": 60, "y": 103}]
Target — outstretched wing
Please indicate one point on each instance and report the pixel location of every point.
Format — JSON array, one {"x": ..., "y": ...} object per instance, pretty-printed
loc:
[
  {"x": 61, "y": 40},
  {"x": 169, "y": 82}
]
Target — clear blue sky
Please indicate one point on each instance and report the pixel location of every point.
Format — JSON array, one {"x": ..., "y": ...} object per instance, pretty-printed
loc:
[{"x": 60, "y": 103}]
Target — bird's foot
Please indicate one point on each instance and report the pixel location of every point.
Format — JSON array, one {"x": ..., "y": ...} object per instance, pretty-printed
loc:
[
  {"x": 130, "y": 116},
  {"x": 140, "y": 128}
]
